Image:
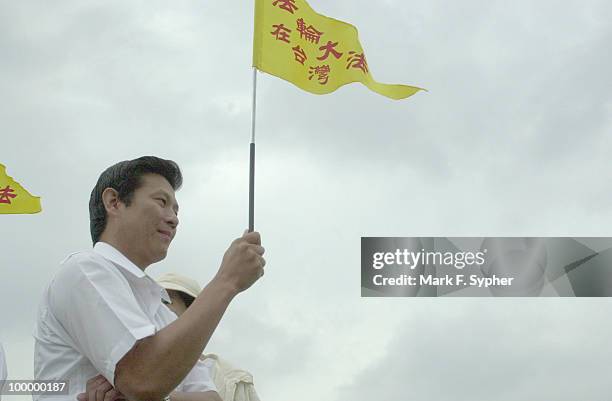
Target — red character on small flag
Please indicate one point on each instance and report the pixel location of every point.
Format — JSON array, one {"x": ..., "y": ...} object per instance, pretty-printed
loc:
[
  {"x": 357, "y": 60},
  {"x": 310, "y": 33},
  {"x": 329, "y": 48},
  {"x": 6, "y": 195},
  {"x": 281, "y": 32},
  {"x": 300, "y": 54},
  {"x": 287, "y": 5},
  {"x": 322, "y": 73}
]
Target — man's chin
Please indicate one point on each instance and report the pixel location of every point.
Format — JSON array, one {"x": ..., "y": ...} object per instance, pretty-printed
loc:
[{"x": 161, "y": 255}]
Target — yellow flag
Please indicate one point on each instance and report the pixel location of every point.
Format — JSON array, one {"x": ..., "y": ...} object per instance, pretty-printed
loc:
[
  {"x": 317, "y": 53},
  {"x": 14, "y": 199}
]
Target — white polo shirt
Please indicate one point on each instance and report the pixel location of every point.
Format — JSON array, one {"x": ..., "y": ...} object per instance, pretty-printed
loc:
[{"x": 92, "y": 313}]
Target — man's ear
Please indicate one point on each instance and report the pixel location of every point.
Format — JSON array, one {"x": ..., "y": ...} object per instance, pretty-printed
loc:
[{"x": 110, "y": 198}]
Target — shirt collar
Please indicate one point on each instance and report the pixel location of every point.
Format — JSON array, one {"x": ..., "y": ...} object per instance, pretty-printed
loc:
[{"x": 114, "y": 255}]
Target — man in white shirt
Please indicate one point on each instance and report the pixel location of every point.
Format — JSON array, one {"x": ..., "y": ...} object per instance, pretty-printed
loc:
[
  {"x": 101, "y": 324},
  {"x": 3, "y": 371}
]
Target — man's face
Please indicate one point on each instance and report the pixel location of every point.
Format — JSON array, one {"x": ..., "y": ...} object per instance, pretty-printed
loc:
[{"x": 148, "y": 225}]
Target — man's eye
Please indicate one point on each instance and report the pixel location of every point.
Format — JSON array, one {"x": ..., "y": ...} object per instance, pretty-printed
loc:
[{"x": 163, "y": 201}]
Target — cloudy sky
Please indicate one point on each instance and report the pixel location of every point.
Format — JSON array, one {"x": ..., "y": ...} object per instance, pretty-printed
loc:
[{"x": 513, "y": 138}]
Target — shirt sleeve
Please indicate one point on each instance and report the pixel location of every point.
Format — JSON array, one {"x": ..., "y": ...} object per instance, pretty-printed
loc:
[
  {"x": 199, "y": 378},
  {"x": 96, "y": 306}
]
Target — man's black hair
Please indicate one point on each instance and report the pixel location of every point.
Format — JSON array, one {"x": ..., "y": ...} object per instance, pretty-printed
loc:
[{"x": 126, "y": 177}]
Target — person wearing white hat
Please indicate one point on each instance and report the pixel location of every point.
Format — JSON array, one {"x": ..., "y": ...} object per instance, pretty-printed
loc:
[
  {"x": 232, "y": 384},
  {"x": 182, "y": 291}
]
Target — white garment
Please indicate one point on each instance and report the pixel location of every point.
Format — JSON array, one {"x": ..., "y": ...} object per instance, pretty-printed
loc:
[
  {"x": 3, "y": 370},
  {"x": 92, "y": 313},
  {"x": 232, "y": 384}
]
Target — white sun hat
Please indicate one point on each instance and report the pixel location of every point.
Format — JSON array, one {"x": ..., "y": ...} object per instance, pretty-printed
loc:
[{"x": 173, "y": 281}]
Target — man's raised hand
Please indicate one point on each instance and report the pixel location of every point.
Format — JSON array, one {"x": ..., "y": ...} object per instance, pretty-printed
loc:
[{"x": 243, "y": 262}]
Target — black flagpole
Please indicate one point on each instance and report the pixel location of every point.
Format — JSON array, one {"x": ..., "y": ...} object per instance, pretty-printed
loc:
[{"x": 252, "y": 158}]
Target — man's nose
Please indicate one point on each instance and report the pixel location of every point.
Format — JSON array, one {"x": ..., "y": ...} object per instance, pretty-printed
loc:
[{"x": 172, "y": 220}]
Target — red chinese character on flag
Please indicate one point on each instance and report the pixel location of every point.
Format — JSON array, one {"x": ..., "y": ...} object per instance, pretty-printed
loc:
[
  {"x": 281, "y": 32},
  {"x": 329, "y": 48},
  {"x": 310, "y": 33},
  {"x": 322, "y": 73},
  {"x": 300, "y": 54},
  {"x": 6, "y": 195},
  {"x": 287, "y": 5},
  {"x": 357, "y": 60}
]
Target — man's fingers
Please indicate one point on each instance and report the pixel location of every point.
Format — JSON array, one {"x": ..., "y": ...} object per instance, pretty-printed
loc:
[
  {"x": 82, "y": 397},
  {"x": 256, "y": 255},
  {"x": 91, "y": 393},
  {"x": 102, "y": 390},
  {"x": 92, "y": 386},
  {"x": 112, "y": 395},
  {"x": 258, "y": 249},
  {"x": 252, "y": 238},
  {"x": 94, "y": 379}
]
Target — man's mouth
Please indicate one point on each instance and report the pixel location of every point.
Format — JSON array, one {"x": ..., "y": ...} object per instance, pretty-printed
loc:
[{"x": 167, "y": 235}]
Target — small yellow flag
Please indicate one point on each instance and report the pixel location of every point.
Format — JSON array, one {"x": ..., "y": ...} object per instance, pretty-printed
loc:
[
  {"x": 14, "y": 199},
  {"x": 317, "y": 53}
]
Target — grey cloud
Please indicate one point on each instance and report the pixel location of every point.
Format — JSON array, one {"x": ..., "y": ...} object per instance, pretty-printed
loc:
[
  {"x": 511, "y": 139},
  {"x": 500, "y": 351}
]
